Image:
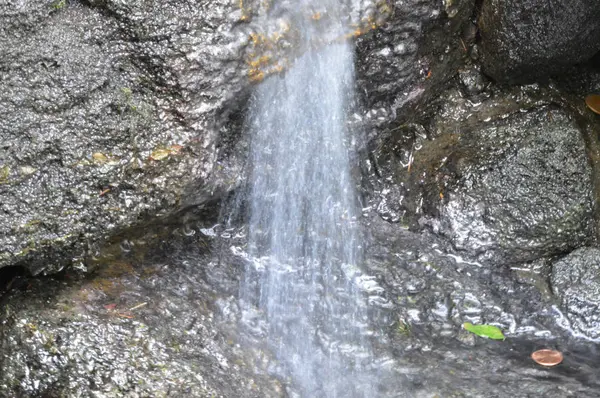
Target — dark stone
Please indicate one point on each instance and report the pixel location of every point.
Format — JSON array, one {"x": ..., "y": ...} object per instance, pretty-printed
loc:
[
  {"x": 523, "y": 188},
  {"x": 472, "y": 80},
  {"x": 96, "y": 88},
  {"x": 528, "y": 40},
  {"x": 507, "y": 180},
  {"x": 409, "y": 59},
  {"x": 576, "y": 282},
  {"x": 173, "y": 326},
  {"x": 130, "y": 330},
  {"x": 110, "y": 118}
]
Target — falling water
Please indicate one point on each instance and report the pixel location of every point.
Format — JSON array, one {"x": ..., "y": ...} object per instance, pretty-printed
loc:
[{"x": 303, "y": 231}]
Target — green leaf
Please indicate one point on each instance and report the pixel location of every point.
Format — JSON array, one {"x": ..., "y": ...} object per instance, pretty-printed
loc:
[{"x": 488, "y": 331}]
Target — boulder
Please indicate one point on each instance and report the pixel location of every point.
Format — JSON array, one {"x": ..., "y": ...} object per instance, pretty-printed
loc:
[
  {"x": 120, "y": 115},
  {"x": 409, "y": 59},
  {"x": 506, "y": 180},
  {"x": 528, "y": 40},
  {"x": 110, "y": 119}
]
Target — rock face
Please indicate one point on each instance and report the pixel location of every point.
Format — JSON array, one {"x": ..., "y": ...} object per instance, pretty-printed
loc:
[
  {"x": 506, "y": 180},
  {"x": 576, "y": 282},
  {"x": 108, "y": 119},
  {"x": 528, "y": 197},
  {"x": 408, "y": 60},
  {"x": 121, "y": 120},
  {"x": 119, "y": 335},
  {"x": 523, "y": 41},
  {"x": 173, "y": 326},
  {"x": 118, "y": 114}
]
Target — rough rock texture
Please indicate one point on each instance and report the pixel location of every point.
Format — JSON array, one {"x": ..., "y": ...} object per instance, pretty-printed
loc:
[
  {"x": 130, "y": 331},
  {"x": 576, "y": 281},
  {"x": 118, "y": 117},
  {"x": 524, "y": 41},
  {"x": 408, "y": 60},
  {"x": 506, "y": 179},
  {"x": 116, "y": 114},
  {"x": 174, "y": 327},
  {"x": 107, "y": 120}
]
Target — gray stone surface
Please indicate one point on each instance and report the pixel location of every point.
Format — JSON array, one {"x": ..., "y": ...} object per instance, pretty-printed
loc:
[
  {"x": 576, "y": 282},
  {"x": 108, "y": 120},
  {"x": 118, "y": 114},
  {"x": 527, "y": 40},
  {"x": 173, "y": 326},
  {"x": 133, "y": 330},
  {"x": 121, "y": 123},
  {"x": 506, "y": 179},
  {"x": 408, "y": 60}
]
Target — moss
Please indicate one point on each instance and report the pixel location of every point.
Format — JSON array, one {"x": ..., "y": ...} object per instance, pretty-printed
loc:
[
  {"x": 4, "y": 174},
  {"x": 127, "y": 92},
  {"x": 59, "y": 4},
  {"x": 403, "y": 328}
]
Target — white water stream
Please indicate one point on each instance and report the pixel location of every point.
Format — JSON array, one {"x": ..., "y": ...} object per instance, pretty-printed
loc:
[{"x": 304, "y": 237}]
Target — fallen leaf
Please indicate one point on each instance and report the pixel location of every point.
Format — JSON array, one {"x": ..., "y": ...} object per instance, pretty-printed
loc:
[
  {"x": 99, "y": 157},
  {"x": 4, "y": 174},
  {"x": 111, "y": 306},
  {"x": 593, "y": 102},
  {"x": 547, "y": 357},
  {"x": 160, "y": 154},
  {"x": 487, "y": 331}
]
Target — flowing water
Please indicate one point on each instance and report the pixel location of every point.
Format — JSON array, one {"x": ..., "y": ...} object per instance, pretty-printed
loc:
[{"x": 304, "y": 239}]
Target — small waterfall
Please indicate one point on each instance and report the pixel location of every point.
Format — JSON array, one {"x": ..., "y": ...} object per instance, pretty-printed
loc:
[{"x": 303, "y": 231}]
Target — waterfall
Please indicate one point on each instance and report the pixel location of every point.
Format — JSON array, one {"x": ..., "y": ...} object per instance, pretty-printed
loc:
[{"x": 304, "y": 236}]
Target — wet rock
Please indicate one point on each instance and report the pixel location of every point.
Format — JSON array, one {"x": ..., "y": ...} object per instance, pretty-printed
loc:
[
  {"x": 524, "y": 41},
  {"x": 121, "y": 114},
  {"x": 576, "y": 281},
  {"x": 131, "y": 330},
  {"x": 408, "y": 60},
  {"x": 110, "y": 118},
  {"x": 472, "y": 80},
  {"x": 523, "y": 192},
  {"x": 174, "y": 326},
  {"x": 506, "y": 180}
]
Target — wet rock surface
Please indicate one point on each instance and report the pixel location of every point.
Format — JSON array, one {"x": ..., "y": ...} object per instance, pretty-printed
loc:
[
  {"x": 116, "y": 115},
  {"x": 576, "y": 282},
  {"x": 524, "y": 41},
  {"x": 137, "y": 330},
  {"x": 410, "y": 58},
  {"x": 506, "y": 179},
  {"x": 122, "y": 126},
  {"x": 174, "y": 326},
  {"x": 105, "y": 123}
]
